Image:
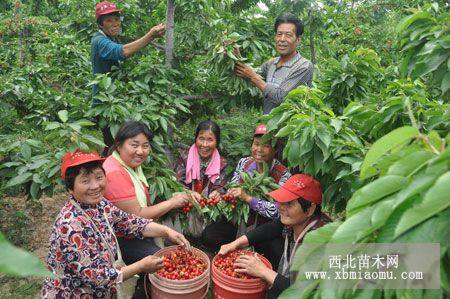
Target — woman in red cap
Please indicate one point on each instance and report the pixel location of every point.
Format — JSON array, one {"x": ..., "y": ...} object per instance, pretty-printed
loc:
[
  {"x": 84, "y": 255},
  {"x": 261, "y": 152},
  {"x": 299, "y": 202},
  {"x": 261, "y": 211},
  {"x": 106, "y": 51}
]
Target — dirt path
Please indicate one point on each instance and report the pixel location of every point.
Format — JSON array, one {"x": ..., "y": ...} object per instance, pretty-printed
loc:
[{"x": 29, "y": 225}]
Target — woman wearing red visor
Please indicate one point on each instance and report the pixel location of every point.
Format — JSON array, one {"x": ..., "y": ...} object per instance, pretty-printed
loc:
[{"x": 299, "y": 201}]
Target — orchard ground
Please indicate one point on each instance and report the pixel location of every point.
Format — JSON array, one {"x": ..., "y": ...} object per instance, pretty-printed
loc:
[{"x": 31, "y": 229}]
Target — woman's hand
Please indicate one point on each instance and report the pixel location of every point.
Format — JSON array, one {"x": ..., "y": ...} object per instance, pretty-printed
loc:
[
  {"x": 241, "y": 194},
  {"x": 179, "y": 200},
  {"x": 226, "y": 248},
  {"x": 196, "y": 196},
  {"x": 150, "y": 264},
  {"x": 177, "y": 238},
  {"x": 215, "y": 194},
  {"x": 251, "y": 265}
]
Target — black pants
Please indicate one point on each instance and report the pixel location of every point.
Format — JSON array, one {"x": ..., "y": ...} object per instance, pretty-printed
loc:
[
  {"x": 218, "y": 233},
  {"x": 223, "y": 232},
  {"x": 134, "y": 250}
]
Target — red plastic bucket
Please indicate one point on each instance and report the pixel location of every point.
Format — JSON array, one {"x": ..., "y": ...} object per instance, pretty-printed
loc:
[
  {"x": 195, "y": 288},
  {"x": 227, "y": 287}
]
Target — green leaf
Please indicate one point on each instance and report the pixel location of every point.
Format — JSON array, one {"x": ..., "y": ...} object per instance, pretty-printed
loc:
[
  {"x": 285, "y": 131},
  {"x": 17, "y": 262},
  {"x": 433, "y": 230},
  {"x": 38, "y": 163},
  {"x": 19, "y": 179},
  {"x": 445, "y": 84},
  {"x": 419, "y": 184},
  {"x": 52, "y": 126},
  {"x": 26, "y": 151},
  {"x": 63, "y": 115},
  {"x": 53, "y": 171},
  {"x": 429, "y": 65},
  {"x": 375, "y": 191},
  {"x": 322, "y": 234},
  {"x": 163, "y": 122},
  {"x": 94, "y": 140},
  {"x": 348, "y": 231},
  {"x": 383, "y": 145},
  {"x": 34, "y": 190},
  {"x": 336, "y": 124},
  {"x": 409, "y": 163},
  {"x": 105, "y": 82},
  {"x": 407, "y": 21},
  {"x": 324, "y": 137},
  {"x": 386, "y": 233},
  {"x": 294, "y": 153},
  {"x": 435, "y": 200},
  {"x": 85, "y": 123}
]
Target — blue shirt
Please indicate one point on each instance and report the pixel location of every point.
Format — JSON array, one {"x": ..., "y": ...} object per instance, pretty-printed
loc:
[{"x": 105, "y": 52}]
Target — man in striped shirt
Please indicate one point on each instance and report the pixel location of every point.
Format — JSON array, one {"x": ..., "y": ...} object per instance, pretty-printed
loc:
[{"x": 282, "y": 74}]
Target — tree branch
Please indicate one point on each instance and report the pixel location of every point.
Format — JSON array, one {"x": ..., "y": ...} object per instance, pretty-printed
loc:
[
  {"x": 157, "y": 46},
  {"x": 201, "y": 96}
]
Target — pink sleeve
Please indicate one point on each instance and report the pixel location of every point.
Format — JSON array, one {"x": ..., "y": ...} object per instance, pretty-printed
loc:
[{"x": 119, "y": 186}]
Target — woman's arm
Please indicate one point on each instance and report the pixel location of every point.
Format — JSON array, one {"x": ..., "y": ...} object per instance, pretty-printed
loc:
[
  {"x": 279, "y": 284},
  {"x": 262, "y": 207},
  {"x": 154, "y": 229},
  {"x": 240, "y": 242},
  {"x": 149, "y": 264},
  {"x": 154, "y": 211}
]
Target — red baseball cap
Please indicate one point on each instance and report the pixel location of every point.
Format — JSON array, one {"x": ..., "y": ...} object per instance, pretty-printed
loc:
[
  {"x": 260, "y": 130},
  {"x": 77, "y": 158},
  {"x": 299, "y": 186},
  {"x": 104, "y": 8}
]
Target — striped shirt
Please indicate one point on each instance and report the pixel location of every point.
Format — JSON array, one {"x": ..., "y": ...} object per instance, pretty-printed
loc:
[
  {"x": 280, "y": 80},
  {"x": 278, "y": 171}
]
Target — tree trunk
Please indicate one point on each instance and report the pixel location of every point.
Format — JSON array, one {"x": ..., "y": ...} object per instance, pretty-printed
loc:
[
  {"x": 21, "y": 36},
  {"x": 170, "y": 23}
]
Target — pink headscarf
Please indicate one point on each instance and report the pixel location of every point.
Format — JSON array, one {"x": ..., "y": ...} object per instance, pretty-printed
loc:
[{"x": 193, "y": 166}]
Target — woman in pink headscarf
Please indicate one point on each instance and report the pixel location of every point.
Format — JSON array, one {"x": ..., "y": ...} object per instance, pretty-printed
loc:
[{"x": 201, "y": 168}]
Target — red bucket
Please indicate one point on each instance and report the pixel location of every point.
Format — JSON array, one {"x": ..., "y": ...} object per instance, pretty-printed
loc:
[
  {"x": 235, "y": 288},
  {"x": 195, "y": 288}
]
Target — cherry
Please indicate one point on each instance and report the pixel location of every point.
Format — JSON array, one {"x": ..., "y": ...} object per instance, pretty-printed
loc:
[
  {"x": 225, "y": 264},
  {"x": 181, "y": 264}
]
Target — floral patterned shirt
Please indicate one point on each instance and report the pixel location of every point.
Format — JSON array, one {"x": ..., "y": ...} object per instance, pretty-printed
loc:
[{"x": 79, "y": 259}]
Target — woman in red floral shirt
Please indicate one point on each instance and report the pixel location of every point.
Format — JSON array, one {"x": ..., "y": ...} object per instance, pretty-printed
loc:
[{"x": 83, "y": 254}]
